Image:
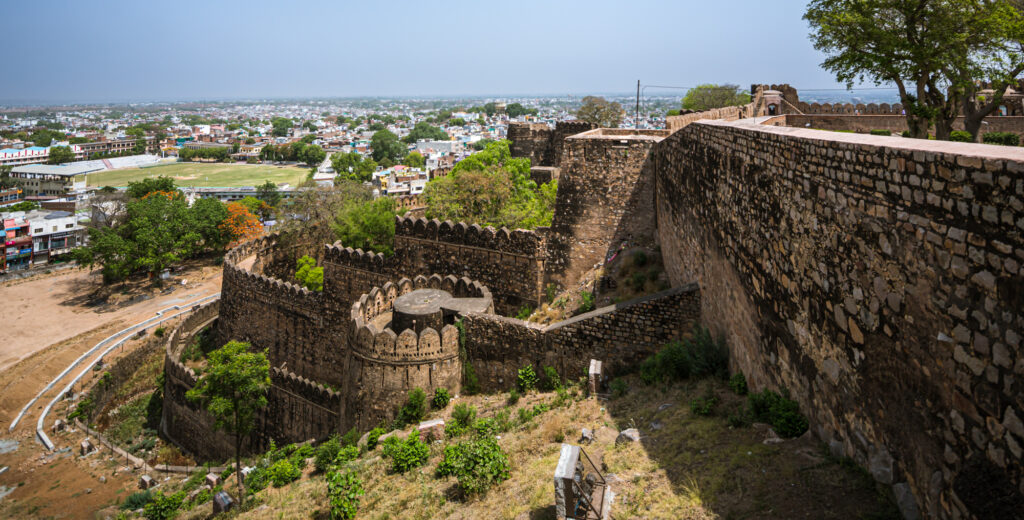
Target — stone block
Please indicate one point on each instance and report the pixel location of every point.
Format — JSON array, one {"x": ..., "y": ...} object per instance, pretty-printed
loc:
[
  {"x": 594, "y": 377},
  {"x": 222, "y": 502},
  {"x": 86, "y": 447},
  {"x": 212, "y": 479},
  {"x": 58, "y": 426},
  {"x": 146, "y": 482},
  {"x": 431, "y": 430},
  {"x": 628, "y": 435}
]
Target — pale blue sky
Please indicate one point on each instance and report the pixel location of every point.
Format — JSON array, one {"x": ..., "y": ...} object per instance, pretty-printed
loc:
[{"x": 109, "y": 51}]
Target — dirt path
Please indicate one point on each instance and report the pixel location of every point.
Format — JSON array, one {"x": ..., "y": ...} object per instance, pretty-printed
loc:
[{"x": 54, "y": 325}]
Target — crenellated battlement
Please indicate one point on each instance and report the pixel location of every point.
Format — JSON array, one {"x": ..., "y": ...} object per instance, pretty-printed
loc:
[
  {"x": 519, "y": 241},
  {"x": 304, "y": 388}
]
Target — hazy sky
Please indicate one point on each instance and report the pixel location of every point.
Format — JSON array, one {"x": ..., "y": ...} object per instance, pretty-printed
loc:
[{"x": 109, "y": 51}]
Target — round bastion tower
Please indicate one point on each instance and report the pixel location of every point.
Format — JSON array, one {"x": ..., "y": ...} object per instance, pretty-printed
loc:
[{"x": 403, "y": 338}]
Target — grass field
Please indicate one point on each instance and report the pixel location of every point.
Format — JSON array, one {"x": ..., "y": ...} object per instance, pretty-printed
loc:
[{"x": 204, "y": 175}]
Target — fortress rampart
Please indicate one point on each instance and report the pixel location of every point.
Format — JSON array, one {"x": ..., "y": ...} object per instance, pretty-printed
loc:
[
  {"x": 878, "y": 279},
  {"x": 542, "y": 144}
]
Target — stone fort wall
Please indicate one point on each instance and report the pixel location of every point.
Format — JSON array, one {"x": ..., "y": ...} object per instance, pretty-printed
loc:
[
  {"x": 879, "y": 280},
  {"x": 542, "y": 144}
]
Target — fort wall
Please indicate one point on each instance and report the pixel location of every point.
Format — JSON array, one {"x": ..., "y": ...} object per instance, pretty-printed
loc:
[
  {"x": 605, "y": 196},
  {"x": 542, "y": 144},
  {"x": 879, "y": 280}
]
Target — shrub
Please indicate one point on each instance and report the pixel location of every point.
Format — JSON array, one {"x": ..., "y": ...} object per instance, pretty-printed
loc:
[
  {"x": 703, "y": 405},
  {"x": 347, "y": 454},
  {"x": 83, "y": 410},
  {"x": 470, "y": 384},
  {"x": 618, "y": 387},
  {"x": 137, "y": 500},
  {"x": 588, "y": 302},
  {"x": 351, "y": 437},
  {"x": 513, "y": 396},
  {"x": 478, "y": 464},
  {"x": 639, "y": 259},
  {"x": 738, "y": 383},
  {"x": 779, "y": 411},
  {"x": 905, "y": 133},
  {"x": 699, "y": 356},
  {"x": 283, "y": 472},
  {"x": 326, "y": 453},
  {"x": 637, "y": 281},
  {"x": 1001, "y": 138},
  {"x": 343, "y": 491},
  {"x": 524, "y": 313},
  {"x": 441, "y": 399},
  {"x": 881, "y": 132},
  {"x": 550, "y": 291},
  {"x": 163, "y": 507},
  {"x": 526, "y": 379},
  {"x": 484, "y": 426},
  {"x": 373, "y": 437},
  {"x": 738, "y": 420},
  {"x": 414, "y": 408},
  {"x": 552, "y": 381},
  {"x": 960, "y": 136},
  {"x": 463, "y": 414},
  {"x": 408, "y": 454},
  {"x": 159, "y": 332}
]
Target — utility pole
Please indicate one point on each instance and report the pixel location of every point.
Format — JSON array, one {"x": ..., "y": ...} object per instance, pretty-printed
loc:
[{"x": 636, "y": 120}]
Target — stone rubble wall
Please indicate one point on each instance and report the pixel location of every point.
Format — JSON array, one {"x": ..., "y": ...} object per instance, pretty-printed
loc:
[
  {"x": 879, "y": 280},
  {"x": 619, "y": 335},
  {"x": 542, "y": 144}
]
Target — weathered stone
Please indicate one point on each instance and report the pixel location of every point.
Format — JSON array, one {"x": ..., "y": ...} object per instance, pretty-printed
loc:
[{"x": 628, "y": 435}]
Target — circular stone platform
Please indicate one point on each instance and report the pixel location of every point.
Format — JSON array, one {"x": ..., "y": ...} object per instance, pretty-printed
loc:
[{"x": 420, "y": 309}]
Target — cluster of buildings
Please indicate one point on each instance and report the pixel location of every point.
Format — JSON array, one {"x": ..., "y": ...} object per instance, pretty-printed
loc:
[{"x": 38, "y": 237}]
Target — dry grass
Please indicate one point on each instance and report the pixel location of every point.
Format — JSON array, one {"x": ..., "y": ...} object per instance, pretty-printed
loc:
[{"x": 685, "y": 467}]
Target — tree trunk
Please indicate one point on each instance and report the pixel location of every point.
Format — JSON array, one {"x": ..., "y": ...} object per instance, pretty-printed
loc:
[
  {"x": 918, "y": 126},
  {"x": 238, "y": 461},
  {"x": 943, "y": 128}
]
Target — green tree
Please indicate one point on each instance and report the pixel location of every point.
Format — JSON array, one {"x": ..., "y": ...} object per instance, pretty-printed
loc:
[
  {"x": 139, "y": 189},
  {"x": 709, "y": 96},
  {"x": 601, "y": 112},
  {"x": 108, "y": 249},
  {"x": 281, "y": 126},
  {"x": 517, "y": 109},
  {"x": 386, "y": 145},
  {"x": 208, "y": 214},
  {"x": 932, "y": 50},
  {"x": 424, "y": 130},
  {"x": 369, "y": 226},
  {"x": 313, "y": 155},
  {"x": 308, "y": 274},
  {"x": 414, "y": 160},
  {"x": 60, "y": 155},
  {"x": 267, "y": 192},
  {"x": 234, "y": 389}
]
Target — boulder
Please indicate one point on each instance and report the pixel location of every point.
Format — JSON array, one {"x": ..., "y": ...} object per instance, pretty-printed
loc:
[
  {"x": 586, "y": 436},
  {"x": 628, "y": 435},
  {"x": 146, "y": 482},
  {"x": 433, "y": 430}
]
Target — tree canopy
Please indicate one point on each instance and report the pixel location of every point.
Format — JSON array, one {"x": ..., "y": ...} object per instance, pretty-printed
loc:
[
  {"x": 601, "y": 112},
  {"x": 934, "y": 51},
  {"x": 709, "y": 96},
  {"x": 414, "y": 160},
  {"x": 491, "y": 188},
  {"x": 424, "y": 130},
  {"x": 281, "y": 126},
  {"x": 352, "y": 166},
  {"x": 60, "y": 155},
  {"x": 386, "y": 145},
  {"x": 369, "y": 226}
]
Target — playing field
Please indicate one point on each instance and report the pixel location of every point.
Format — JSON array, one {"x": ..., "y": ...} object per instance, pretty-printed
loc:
[{"x": 204, "y": 175}]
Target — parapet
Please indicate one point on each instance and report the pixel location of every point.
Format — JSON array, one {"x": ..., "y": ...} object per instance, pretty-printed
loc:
[
  {"x": 302, "y": 387},
  {"x": 519, "y": 241},
  {"x": 234, "y": 267}
]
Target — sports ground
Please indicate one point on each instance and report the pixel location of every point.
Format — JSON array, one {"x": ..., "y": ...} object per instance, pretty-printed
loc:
[{"x": 204, "y": 175}]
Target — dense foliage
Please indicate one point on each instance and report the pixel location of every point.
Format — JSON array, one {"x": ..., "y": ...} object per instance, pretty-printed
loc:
[
  {"x": 369, "y": 225},
  {"x": 386, "y": 145},
  {"x": 424, "y": 130},
  {"x": 492, "y": 188},
  {"x": 406, "y": 454},
  {"x": 352, "y": 166},
  {"x": 414, "y": 409},
  {"x": 343, "y": 490},
  {"x": 780, "y": 411},
  {"x": 709, "y": 96},
  {"x": 603, "y": 113},
  {"x": 478, "y": 464},
  {"x": 308, "y": 274},
  {"x": 697, "y": 356},
  {"x": 60, "y": 155}
]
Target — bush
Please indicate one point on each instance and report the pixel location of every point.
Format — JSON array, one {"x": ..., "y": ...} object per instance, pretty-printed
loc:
[
  {"x": 552, "y": 381},
  {"x": 137, "y": 500},
  {"x": 960, "y": 136},
  {"x": 881, "y": 132},
  {"x": 408, "y": 454},
  {"x": 159, "y": 332},
  {"x": 639, "y": 259},
  {"x": 326, "y": 453},
  {"x": 373, "y": 437},
  {"x": 441, "y": 399},
  {"x": 588, "y": 302},
  {"x": 526, "y": 379},
  {"x": 163, "y": 507},
  {"x": 637, "y": 281},
  {"x": 779, "y": 411},
  {"x": 414, "y": 408},
  {"x": 524, "y": 313},
  {"x": 905, "y": 133},
  {"x": 738, "y": 383},
  {"x": 478, "y": 464},
  {"x": 618, "y": 387},
  {"x": 703, "y": 405},
  {"x": 463, "y": 414},
  {"x": 699, "y": 356},
  {"x": 550, "y": 291},
  {"x": 1001, "y": 138},
  {"x": 513, "y": 396},
  {"x": 351, "y": 437},
  {"x": 283, "y": 472},
  {"x": 343, "y": 491}
]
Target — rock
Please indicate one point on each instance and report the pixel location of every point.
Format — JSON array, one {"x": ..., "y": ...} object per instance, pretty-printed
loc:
[
  {"x": 195, "y": 492},
  {"x": 212, "y": 480},
  {"x": 222, "y": 502},
  {"x": 433, "y": 429},
  {"x": 628, "y": 435},
  {"x": 905, "y": 501},
  {"x": 103, "y": 479},
  {"x": 146, "y": 482},
  {"x": 586, "y": 436},
  {"x": 656, "y": 425},
  {"x": 771, "y": 437},
  {"x": 760, "y": 426},
  {"x": 88, "y": 491},
  {"x": 665, "y": 406}
]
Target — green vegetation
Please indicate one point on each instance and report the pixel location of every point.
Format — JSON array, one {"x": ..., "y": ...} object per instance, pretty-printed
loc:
[
  {"x": 386, "y": 146},
  {"x": 326, "y": 453},
  {"x": 526, "y": 379},
  {"x": 738, "y": 383},
  {"x": 202, "y": 175},
  {"x": 163, "y": 507},
  {"x": 778, "y": 410},
  {"x": 308, "y": 274},
  {"x": 492, "y": 188},
  {"x": 352, "y": 166},
  {"x": 22, "y": 206},
  {"x": 601, "y": 112},
  {"x": 233, "y": 389},
  {"x": 960, "y": 136},
  {"x": 881, "y": 132},
  {"x": 441, "y": 399},
  {"x": 373, "y": 437},
  {"x": 587, "y": 302},
  {"x": 552, "y": 381},
  {"x": 709, "y": 96},
  {"x": 218, "y": 153},
  {"x": 699, "y": 356},
  {"x": 703, "y": 405},
  {"x": 369, "y": 225},
  {"x": 424, "y": 130},
  {"x": 516, "y": 109},
  {"x": 1001, "y": 138},
  {"x": 137, "y": 500},
  {"x": 406, "y": 454},
  {"x": 478, "y": 464},
  {"x": 414, "y": 409},
  {"x": 343, "y": 490},
  {"x": 60, "y": 155}
]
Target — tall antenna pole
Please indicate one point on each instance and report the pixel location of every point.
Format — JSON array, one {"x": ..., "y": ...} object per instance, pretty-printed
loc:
[{"x": 636, "y": 120}]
